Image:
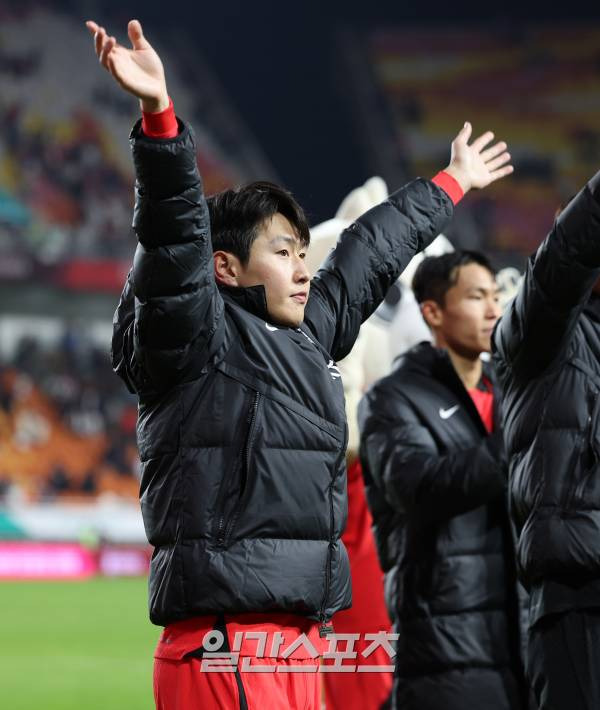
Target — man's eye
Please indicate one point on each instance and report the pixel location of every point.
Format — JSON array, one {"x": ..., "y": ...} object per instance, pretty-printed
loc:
[
  {"x": 302, "y": 255},
  {"x": 285, "y": 252}
]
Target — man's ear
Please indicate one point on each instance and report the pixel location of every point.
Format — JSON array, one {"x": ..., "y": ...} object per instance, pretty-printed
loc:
[
  {"x": 432, "y": 313},
  {"x": 227, "y": 268}
]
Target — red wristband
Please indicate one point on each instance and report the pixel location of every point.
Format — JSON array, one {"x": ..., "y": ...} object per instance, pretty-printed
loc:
[
  {"x": 162, "y": 124},
  {"x": 449, "y": 185}
]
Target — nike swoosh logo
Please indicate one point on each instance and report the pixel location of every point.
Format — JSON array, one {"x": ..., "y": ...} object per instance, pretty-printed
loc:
[
  {"x": 447, "y": 413},
  {"x": 271, "y": 327}
]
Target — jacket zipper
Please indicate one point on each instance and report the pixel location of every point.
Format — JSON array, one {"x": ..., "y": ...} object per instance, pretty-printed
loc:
[
  {"x": 325, "y": 625},
  {"x": 225, "y": 530},
  {"x": 222, "y": 520}
]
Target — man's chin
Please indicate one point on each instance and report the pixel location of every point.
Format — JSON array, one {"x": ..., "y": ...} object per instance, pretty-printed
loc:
[
  {"x": 288, "y": 320},
  {"x": 486, "y": 344}
]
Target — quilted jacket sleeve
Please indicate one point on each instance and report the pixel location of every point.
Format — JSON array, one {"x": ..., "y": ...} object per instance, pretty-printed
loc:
[
  {"x": 404, "y": 462},
  {"x": 170, "y": 309},
  {"x": 368, "y": 258},
  {"x": 536, "y": 326}
]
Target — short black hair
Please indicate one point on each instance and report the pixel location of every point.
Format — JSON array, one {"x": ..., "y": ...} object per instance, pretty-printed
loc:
[
  {"x": 236, "y": 216},
  {"x": 435, "y": 275}
]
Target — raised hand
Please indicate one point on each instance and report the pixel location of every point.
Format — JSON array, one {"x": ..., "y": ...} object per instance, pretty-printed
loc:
[
  {"x": 138, "y": 70},
  {"x": 471, "y": 165}
]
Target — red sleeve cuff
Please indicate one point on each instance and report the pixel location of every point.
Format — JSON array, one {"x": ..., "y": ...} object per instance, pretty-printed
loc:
[
  {"x": 449, "y": 185},
  {"x": 162, "y": 124}
]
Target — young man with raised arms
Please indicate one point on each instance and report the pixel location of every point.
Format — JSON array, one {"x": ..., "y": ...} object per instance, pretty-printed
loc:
[{"x": 231, "y": 349}]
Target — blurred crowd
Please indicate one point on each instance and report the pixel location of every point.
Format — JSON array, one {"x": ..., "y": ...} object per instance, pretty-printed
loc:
[
  {"x": 66, "y": 183},
  {"x": 67, "y": 426},
  {"x": 61, "y": 176}
]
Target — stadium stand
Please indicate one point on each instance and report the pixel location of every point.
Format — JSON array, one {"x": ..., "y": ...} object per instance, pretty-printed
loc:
[
  {"x": 67, "y": 427},
  {"x": 414, "y": 86},
  {"x": 66, "y": 182}
]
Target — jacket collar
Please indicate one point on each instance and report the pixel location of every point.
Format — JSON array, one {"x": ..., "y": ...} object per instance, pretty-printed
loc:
[
  {"x": 250, "y": 298},
  {"x": 436, "y": 363}
]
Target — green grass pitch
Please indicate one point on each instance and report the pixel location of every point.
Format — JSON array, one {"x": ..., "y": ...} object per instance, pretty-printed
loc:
[{"x": 84, "y": 645}]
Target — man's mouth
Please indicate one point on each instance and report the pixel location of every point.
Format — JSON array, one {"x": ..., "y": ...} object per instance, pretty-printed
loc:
[{"x": 300, "y": 297}]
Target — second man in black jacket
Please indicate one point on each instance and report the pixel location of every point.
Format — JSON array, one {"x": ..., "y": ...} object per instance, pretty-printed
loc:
[{"x": 435, "y": 472}]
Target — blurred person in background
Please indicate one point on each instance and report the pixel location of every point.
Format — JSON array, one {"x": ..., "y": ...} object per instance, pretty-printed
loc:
[
  {"x": 435, "y": 470},
  {"x": 367, "y": 615},
  {"x": 242, "y": 427},
  {"x": 546, "y": 349}
]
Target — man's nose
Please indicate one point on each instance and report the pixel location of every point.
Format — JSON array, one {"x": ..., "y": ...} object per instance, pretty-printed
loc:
[
  {"x": 302, "y": 272},
  {"x": 493, "y": 310}
]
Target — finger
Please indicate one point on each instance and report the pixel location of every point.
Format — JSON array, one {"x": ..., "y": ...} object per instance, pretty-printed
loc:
[
  {"x": 136, "y": 35},
  {"x": 106, "y": 49},
  {"x": 503, "y": 172},
  {"x": 102, "y": 49},
  {"x": 464, "y": 134},
  {"x": 92, "y": 27},
  {"x": 498, "y": 162},
  {"x": 99, "y": 38},
  {"x": 480, "y": 143},
  {"x": 492, "y": 152}
]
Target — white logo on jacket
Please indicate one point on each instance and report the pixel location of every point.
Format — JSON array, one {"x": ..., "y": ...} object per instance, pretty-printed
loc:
[
  {"x": 310, "y": 340},
  {"x": 447, "y": 413},
  {"x": 334, "y": 370}
]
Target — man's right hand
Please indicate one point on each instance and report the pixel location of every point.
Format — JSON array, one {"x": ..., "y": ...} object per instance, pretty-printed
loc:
[
  {"x": 475, "y": 165},
  {"x": 138, "y": 70}
]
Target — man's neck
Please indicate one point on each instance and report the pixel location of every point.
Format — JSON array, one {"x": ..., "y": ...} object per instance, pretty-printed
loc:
[{"x": 468, "y": 368}]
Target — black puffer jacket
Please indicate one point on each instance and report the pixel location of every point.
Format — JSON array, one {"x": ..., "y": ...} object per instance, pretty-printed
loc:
[
  {"x": 547, "y": 355},
  {"x": 241, "y": 426},
  {"x": 436, "y": 486}
]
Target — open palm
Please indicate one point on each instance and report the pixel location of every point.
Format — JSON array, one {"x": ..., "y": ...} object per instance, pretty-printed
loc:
[
  {"x": 475, "y": 165},
  {"x": 138, "y": 70}
]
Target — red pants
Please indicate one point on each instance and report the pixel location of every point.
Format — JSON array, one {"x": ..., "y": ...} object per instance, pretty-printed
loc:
[
  {"x": 181, "y": 685},
  {"x": 181, "y": 682}
]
